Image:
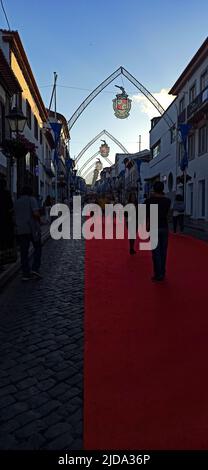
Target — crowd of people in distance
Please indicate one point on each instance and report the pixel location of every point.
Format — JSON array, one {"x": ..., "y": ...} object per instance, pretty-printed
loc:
[
  {"x": 157, "y": 196},
  {"x": 21, "y": 222}
]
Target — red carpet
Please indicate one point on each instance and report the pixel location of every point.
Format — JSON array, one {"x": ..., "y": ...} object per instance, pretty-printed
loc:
[{"x": 146, "y": 348}]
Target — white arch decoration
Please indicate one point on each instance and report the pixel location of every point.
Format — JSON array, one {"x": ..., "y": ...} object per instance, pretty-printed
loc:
[
  {"x": 116, "y": 141},
  {"x": 88, "y": 170},
  {"x": 92, "y": 158},
  {"x": 120, "y": 71}
]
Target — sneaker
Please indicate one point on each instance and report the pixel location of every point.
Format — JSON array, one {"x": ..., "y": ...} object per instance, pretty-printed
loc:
[{"x": 36, "y": 274}]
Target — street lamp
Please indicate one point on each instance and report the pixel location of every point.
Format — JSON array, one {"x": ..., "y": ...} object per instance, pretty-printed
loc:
[{"x": 17, "y": 120}]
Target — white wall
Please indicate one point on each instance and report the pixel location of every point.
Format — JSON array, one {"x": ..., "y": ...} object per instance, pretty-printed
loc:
[{"x": 168, "y": 161}]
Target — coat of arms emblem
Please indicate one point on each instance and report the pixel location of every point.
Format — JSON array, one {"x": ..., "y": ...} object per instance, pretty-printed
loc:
[
  {"x": 121, "y": 104},
  {"x": 104, "y": 149}
]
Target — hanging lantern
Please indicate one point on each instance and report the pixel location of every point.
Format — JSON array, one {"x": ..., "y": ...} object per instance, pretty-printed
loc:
[
  {"x": 121, "y": 104},
  {"x": 104, "y": 149}
]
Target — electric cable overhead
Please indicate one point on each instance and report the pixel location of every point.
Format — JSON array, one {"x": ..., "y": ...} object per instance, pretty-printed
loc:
[{"x": 6, "y": 17}]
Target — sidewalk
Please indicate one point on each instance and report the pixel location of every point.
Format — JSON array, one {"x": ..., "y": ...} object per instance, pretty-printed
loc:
[
  {"x": 196, "y": 228},
  {"x": 12, "y": 269},
  {"x": 196, "y": 224}
]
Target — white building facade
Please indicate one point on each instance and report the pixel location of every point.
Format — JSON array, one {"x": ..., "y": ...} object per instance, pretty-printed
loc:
[
  {"x": 189, "y": 107},
  {"x": 35, "y": 168}
]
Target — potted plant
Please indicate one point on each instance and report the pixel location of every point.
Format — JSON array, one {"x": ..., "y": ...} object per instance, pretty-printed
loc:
[{"x": 18, "y": 147}]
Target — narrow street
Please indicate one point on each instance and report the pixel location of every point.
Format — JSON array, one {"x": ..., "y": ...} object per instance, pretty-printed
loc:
[
  {"x": 95, "y": 331},
  {"x": 103, "y": 234},
  {"x": 41, "y": 350}
]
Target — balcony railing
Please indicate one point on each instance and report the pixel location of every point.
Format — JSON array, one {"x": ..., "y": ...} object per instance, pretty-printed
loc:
[{"x": 196, "y": 104}]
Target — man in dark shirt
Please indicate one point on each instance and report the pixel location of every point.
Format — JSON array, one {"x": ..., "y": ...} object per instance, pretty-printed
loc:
[{"x": 159, "y": 254}]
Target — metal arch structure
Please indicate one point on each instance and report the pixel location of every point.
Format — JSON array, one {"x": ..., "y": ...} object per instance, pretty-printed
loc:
[
  {"x": 88, "y": 161},
  {"x": 92, "y": 158},
  {"x": 79, "y": 156},
  {"x": 89, "y": 174},
  {"x": 120, "y": 71},
  {"x": 88, "y": 169}
]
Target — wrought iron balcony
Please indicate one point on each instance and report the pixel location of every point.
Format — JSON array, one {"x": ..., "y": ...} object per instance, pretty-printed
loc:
[{"x": 198, "y": 106}]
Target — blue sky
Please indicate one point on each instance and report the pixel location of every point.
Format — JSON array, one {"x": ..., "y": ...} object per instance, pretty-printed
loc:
[{"x": 84, "y": 41}]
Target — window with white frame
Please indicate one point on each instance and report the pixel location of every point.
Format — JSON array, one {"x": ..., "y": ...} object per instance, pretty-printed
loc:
[
  {"x": 182, "y": 104},
  {"x": 190, "y": 198},
  {"x": 27, "y": 161},
  {"x": 204, "y": 80},
  {"x": 202, "y": 140},
  {"x": 180, "y": 152},
  {"x": 192, "y": 93},
  {"x": 156, "y": 149},
  {"x": 202, "y": 198},
  {"x": 173, "y": 134},
  {"x": 35, "y": 128},
  {"x": 191, "y": 146}
]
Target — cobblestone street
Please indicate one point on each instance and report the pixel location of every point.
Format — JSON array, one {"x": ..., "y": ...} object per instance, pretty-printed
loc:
[{"x": 41, "y": 350}]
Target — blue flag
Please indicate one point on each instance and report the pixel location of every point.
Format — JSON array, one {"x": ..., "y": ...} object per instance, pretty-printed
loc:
[
  {"x": 56, "y": 127},
  {"x": 69, "y": 163},
  {"x": 184, "y": 130}
]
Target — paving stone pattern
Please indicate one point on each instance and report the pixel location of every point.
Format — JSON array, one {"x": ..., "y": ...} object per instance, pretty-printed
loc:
[{"x": 41, "y": 354}]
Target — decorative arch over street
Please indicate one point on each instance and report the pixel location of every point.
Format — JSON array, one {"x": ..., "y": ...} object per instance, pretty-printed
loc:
[
  {"x": 106, "y": 159},
  {"x": 120, "y": 71},
  {"x": 91, "y": 142}
]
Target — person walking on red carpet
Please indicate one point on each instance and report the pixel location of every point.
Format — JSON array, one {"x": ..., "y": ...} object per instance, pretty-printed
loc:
[
  {"x": 132, "y": 199},
  {"x": 159, "y": 254}
]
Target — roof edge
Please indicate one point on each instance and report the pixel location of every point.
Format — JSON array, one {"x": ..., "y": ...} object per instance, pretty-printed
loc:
[
  {"x": 16, "y": 45},
  {"x": 190, "y": 68}
]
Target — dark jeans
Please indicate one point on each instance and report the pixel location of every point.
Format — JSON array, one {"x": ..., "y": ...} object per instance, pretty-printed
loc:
[
  {"x": 159, "y": 255},
  {"x": 131, "y": 240},
  {"x": 178, "y": 219},
  {"x": 24, "y": 241}
]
